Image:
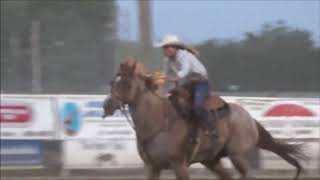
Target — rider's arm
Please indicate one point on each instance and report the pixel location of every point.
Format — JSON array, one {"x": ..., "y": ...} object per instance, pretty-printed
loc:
[
  {"x": 170, "y": 74},
  {"x": 184, "y": 60}
]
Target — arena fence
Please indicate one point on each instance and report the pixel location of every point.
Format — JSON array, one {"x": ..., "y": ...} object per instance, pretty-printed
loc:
[{"x": 62, "y": 133}]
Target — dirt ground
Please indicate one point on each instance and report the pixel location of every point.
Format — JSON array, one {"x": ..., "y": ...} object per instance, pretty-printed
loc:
[
  {"x": 139, "y": 175},
  {"x": 133, "y": 178}
]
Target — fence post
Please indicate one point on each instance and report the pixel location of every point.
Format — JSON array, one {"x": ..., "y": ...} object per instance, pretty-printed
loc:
[{"x": 35, "y": 57}]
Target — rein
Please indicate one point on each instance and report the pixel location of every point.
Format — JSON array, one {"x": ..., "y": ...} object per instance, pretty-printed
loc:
[{"x": 123, "y": 111}]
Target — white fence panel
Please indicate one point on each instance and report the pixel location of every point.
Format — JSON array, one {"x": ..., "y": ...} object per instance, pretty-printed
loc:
[
  {"x": 110, "y": 154},
  {"x": 27, "y": 118},
  {"x": 81, "y": 118}
]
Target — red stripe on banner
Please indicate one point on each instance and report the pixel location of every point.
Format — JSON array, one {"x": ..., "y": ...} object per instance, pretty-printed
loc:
[
  {"x": 15, "y": 114},
  {"x": 289, "y": 110}
]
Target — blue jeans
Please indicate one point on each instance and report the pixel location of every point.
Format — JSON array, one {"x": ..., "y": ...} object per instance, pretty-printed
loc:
[{"x": 200, "y": 94}]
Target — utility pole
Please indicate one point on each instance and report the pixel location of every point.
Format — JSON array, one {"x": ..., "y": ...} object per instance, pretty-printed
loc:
[
  {"x": 14, "y": 45},
  {"x": 145, "y": 29},
  {"x": 35, "y": 57}
]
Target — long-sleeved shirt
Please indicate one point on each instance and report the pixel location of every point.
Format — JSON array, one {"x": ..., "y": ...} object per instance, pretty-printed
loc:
[{"x": 184, "y": 64}]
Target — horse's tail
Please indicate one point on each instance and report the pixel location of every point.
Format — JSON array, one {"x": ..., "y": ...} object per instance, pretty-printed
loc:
[{"x": 289, "y": 152}]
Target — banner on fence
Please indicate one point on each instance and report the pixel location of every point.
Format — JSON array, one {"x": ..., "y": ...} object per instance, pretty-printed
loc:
[
  {"x": 286, "y": 118},
  {"x": 82, "y": 118},
  {"x": 280, "y": 108},
  {"x": 100, "y": 154},
  {"x": 27, "y": 118},
  {"x": 16, "y": 154}
]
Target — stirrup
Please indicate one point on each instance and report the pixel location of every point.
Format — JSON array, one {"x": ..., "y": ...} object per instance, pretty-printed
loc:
[
  {"x": 211, "y": 132},
  {"x": 194, "y": 140}
]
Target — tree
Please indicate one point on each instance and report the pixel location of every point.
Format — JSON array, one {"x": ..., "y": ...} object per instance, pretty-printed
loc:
[
  {"x": 278, "y": 58},
  {"x": 77, "y": 44}
]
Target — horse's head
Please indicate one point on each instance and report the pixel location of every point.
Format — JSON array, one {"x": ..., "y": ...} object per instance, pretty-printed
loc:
[
  {"x": 118, "y": 85},
  {"x": 110, "y": 105},
  {"x": 132, "y": 80},
  {"x": 127, "y": 84}
]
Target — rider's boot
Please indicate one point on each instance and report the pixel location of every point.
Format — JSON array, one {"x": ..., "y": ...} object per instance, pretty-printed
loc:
[
  {"x": 207, "y": 122},
  {"x": 211, "y": 121}
]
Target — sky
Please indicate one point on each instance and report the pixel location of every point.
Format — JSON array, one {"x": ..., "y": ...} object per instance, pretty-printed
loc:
[{"x": 197, "y": 21}]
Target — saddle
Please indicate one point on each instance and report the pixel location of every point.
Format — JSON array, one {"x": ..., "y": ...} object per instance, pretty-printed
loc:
[
  {"x": 215, "y": 104},
  {"x": 181, "y": 99},
  {"x": 218, "y": 106}
]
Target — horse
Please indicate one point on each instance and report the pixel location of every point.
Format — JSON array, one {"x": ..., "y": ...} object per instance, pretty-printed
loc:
[
  {"x": 243, "y": 133},
  {"x": 163, "y": 133}
]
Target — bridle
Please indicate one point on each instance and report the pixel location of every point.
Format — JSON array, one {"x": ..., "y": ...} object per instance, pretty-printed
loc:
[
  {"x": 124, "y": 112},
  {"x": 122, "y": 108},
  {"x": 122, "y": 105}
]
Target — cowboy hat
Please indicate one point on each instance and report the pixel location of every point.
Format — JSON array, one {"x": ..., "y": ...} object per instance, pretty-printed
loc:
[{"x": 170, "y": 39}]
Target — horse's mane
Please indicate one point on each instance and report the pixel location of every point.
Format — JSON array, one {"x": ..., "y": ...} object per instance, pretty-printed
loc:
[{"x": 154, "y": 80}]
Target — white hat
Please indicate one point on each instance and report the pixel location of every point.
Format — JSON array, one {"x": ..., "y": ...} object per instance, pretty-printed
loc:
[{"x": 170, "y": 39}]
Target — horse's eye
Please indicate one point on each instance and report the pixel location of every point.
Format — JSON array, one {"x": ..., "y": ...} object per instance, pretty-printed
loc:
[
  {"x": 124, "y": 83},
  {"x": 118, "y": 78}
]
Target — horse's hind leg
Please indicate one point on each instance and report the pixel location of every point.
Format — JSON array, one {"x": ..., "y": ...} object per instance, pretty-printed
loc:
[
  {"x": 241, "y": 164},
  {"x": 218, "y": 168}
]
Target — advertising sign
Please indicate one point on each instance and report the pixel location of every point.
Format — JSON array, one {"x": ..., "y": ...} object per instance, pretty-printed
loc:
[
  {"x": 26, "y": 118},
  {"x": 82, "y": 118},
  {"x": 286, "y": 118},
  {"x": 20, "y": 154},
  {"x": 295, "y": 120},
  {"x": 281, "y": 108},
  {"x": 101, "y": 154}
]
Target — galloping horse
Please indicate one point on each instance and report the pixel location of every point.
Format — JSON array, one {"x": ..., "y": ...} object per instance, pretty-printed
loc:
[{"x": 163, "y": 134}]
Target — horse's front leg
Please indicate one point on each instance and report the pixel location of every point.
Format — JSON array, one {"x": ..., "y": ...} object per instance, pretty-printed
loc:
[
  {"x": 153, "y": 173},
  {"x": 181, "y": 171}
]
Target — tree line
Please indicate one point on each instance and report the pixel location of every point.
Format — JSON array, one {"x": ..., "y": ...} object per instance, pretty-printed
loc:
[
  {"x": 79, "y": 51},
  {"x": 277, "y": 58}
]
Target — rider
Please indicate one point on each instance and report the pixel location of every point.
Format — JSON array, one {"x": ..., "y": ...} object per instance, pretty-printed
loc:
[{"x": 183, "y": 63}]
